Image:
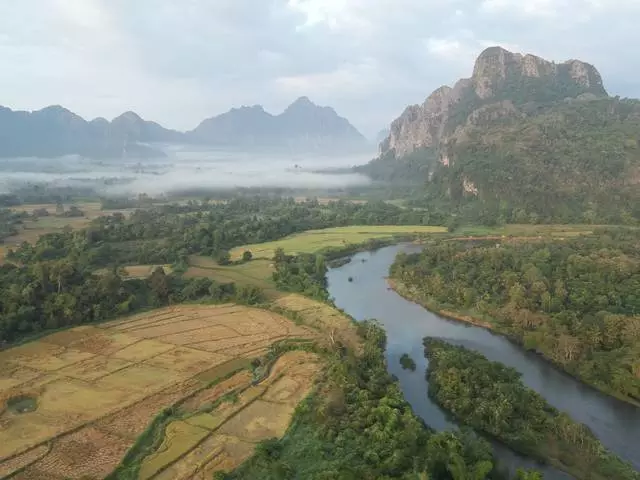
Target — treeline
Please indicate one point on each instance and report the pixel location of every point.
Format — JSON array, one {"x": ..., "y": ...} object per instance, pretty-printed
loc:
[
  {"x": 491, "y": 398},
  {"x": 169, "y": 233},
  {"x": 51, "y": 295},
  {"x": 359, "y": 426},
  {"x": 575, "y": 301}
]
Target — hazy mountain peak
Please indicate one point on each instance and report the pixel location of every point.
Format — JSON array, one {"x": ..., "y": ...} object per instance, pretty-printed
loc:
[
  {"x": 129, "y": 116},
  {"x": 302, "y": 125}
]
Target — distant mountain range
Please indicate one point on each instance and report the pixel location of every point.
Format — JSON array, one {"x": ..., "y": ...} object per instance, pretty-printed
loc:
[{"x": 55, "y": 131}]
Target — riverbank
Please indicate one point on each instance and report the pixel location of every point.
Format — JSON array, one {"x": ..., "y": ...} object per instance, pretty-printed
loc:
[
  {"x": 491, "y": 325},
  {"x": 490, "y": 397}
]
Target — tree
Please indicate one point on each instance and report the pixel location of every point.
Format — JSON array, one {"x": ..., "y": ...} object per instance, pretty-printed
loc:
[
  {"x": 247, "y": 256},
  {"x": 223, "y": 257},
  {"x": 159, "y": 284}
]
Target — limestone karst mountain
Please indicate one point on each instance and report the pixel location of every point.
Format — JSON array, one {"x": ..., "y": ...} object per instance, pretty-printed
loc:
[{"x": 526, "y": 137}]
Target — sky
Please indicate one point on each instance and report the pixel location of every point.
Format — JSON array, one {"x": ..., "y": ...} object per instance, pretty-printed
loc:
[{"x": 180, "y": 61}]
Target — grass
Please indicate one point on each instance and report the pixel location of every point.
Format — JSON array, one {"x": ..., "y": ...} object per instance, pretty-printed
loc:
[
  {"x": 316, "y": 240},
  {"x": 256, "y": 272}
]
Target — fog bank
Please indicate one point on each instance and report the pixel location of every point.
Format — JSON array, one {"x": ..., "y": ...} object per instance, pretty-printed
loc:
[{"x": 184, "y": 169}]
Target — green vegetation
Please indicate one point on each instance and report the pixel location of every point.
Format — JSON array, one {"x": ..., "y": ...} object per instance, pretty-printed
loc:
[
  {"x": 10, "y": 222},
  {"x": 575, "y": 301},
  {"x": 53, "y": 283},
  {"x": 407, "y": 362},
  {"x": 305, "y": 273},
  {"x": 527, "y": 155},
  {"x": 145, "y": 444},
  {"x": 339, "y": 238},
  {"x": 358, "y": 426},
  {"x": 491, "y": 397}
]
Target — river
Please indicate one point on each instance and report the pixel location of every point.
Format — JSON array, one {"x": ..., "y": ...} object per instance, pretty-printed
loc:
[{"x": 367, "y": 296}]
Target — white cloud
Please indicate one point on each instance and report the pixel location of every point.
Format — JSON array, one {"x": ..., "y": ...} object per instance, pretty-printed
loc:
[{"x": 178, "y": 61}]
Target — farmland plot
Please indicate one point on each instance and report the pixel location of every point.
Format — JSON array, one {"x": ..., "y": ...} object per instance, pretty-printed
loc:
[{"x": 72, "y": 403}]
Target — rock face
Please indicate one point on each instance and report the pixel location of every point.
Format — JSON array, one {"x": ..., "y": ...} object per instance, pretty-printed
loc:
[
  {"x": 498, "y": 76},
  {"x": 303, "y": 125},
  {"x": 55, "y": 131}
]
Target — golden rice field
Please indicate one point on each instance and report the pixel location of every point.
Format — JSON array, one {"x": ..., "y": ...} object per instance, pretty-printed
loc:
[
  {"x": 92, "y": 390},
  {"x": 202, "y": 443},
  {"x": 316, "y": 240}
]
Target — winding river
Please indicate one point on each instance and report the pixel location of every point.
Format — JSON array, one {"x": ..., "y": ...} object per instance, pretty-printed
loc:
[{"x": 617, "y": 424}]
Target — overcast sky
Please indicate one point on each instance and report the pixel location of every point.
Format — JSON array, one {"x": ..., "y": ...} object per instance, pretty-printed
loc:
[{"x": 179, "y": 61}]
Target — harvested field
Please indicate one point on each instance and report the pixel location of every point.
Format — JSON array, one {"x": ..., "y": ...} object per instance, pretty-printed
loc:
[
  {"x": 197, "y": 446},
  {"x": 316, "y": 240},
  {"x": 96, "y": 388}
]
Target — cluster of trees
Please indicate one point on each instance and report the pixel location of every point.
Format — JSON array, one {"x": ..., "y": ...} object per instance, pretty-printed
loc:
[
  {"x": 304, "y": 273},
  {"x": 360, "y": 426},
  {"x": 575, "y": 301},
  {"x": 407, "y": 362},
  {"x": 9, "y": 223},
  {"x": 491, "y": 397}
]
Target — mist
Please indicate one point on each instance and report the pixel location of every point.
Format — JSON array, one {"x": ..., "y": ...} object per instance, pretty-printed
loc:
[{"x": 185, "y": 169}]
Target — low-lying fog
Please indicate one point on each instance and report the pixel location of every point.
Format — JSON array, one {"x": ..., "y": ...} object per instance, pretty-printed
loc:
[{"x": 185, "y": 169}]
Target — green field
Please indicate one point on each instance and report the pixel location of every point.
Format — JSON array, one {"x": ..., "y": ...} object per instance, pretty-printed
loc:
[
  {"x": 316, "y": 240},
  {"x": 256, "y": 272}
]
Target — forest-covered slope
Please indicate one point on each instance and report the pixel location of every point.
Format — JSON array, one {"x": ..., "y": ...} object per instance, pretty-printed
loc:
[{"x": 526, "y": 139}]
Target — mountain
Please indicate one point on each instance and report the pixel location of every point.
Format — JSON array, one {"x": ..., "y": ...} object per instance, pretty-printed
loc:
[
  {"x": 382, "y": 135},
  {"x": 524, "y": 138},
  {"x": 55, "y": 131},
  {"x": 302, "y": 126}
]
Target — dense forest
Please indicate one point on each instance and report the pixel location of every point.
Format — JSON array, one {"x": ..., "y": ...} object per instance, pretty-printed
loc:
[
  {"x": 539, "y": 159},
  {"x": 358, "y": 426},
  {"x": 576, "y": 301},
  {"x": 55, "y": 282},
  {"x": 491, "y": 398}
]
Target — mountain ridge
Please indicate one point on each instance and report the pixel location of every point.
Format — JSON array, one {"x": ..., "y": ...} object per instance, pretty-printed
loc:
[{"x": 56, "y": 131}]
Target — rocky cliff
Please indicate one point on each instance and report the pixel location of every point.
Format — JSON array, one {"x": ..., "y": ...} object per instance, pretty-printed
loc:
[{"x": 501, "y": 82}]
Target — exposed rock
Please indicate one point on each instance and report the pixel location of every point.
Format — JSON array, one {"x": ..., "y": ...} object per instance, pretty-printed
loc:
[{"x": 497, "y": 75}]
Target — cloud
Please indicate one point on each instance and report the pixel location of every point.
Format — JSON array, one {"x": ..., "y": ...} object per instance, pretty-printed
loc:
[{"x": 179, "y": 61}]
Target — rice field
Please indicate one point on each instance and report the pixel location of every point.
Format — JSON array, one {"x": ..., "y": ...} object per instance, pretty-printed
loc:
[
  {"x": 198, "y": 445},
  {"x": 315, "y": 240},
  {"x": 96, "y": 388}
]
